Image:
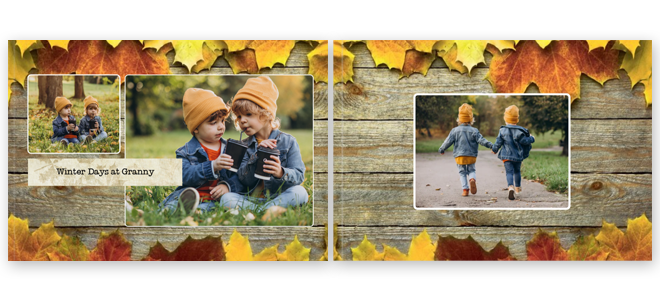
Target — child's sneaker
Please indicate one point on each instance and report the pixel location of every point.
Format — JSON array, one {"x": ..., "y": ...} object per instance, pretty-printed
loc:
[
  {"x": 64, "y": 142},
  {"x": 473, "y": 186},
  {"x": 511, "y": 193},
  {"x": 465, "y": 192},
  {"x": 518, "y": 190},
  {"x": 88, "y": 140},
  {"x": 189, "y": 199}
]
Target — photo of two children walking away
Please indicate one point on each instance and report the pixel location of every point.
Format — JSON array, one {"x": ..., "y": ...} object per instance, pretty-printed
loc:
[
  {"x": 491, "y": 151},
  {"x": 245, "y": 142}
]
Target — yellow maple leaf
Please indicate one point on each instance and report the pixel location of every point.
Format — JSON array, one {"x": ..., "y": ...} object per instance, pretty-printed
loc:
[
  {"x": 342, "y": 63},
  {"x": 188, "y": 52},
  {"x": 393, "y": 254},
  {"x": 421, "y": 248},
  {"x": 463, "y": 55},
  {"x": 233, "y": 46},
  {"x": 587, "y": 248},
  {"x": 28, "y": 45},
  {"x": 69, "y": 249},
  {"x": 271, "y": 52},
  {"x": 156, "y": 44},
  {"x": 635, "y": 244},
  {"x": 593, "y": 44},
  {"x": 294, "y": 251},
  {"x": 19, "y": 66},
  {"x": 639, "y": 66},
  {"x": 390, "y": 53},
  {"x": 113, "y": 43},
  {"x": 24, "y": 246},
  {"x": 627, "y": 45},
  {"x": 647, "y": 90},
  {"x": 542, "y": 43},
  {"x": 209, "y": 57},
  {"x": 366, "y": 251},
  {"x": 335, "y": 238},
  {"x": 239, "y": 249},
  {"x": 64, "y": 44}
]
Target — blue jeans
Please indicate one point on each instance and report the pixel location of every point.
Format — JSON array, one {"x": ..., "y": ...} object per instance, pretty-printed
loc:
[
  {"x": 59, "y": 138},
  {"x": 97, "y": 138},
  {"x": 465, "y": 171},
  {"x": 293, "y": 196},
  {"x": 512, "y": 172}
]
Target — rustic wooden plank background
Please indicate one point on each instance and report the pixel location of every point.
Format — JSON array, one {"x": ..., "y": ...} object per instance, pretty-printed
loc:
[
  {"x": 373, "y": 161},
  {"x": 85, "y": 211}
]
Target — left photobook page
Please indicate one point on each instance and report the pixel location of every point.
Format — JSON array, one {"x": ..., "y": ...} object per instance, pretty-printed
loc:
[{"x": 194, "y": 150}]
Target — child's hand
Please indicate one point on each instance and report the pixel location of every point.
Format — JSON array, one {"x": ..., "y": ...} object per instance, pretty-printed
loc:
[
  {"x": 223, "y": 161},
  {"x": 274, "y": 167},
  {"x": 269, "y": 143},
  {"x": 75, "y": 129},
  {"x": 219, "y": 190},
  {"x": 71, "y": 127}
]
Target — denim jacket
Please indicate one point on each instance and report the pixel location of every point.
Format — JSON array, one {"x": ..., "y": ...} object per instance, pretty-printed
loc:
[
  {"x": 85, "y": 125},
  {"x": 198, "y": 169},
  {"x": 511, "y": 140},
  {"x": 290, "y": 159},
  {"x": 466, "y": 140},
  {"x": 59, "y": 128}
]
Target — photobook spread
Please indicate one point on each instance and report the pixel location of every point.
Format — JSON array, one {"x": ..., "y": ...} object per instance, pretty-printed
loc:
[{"x": 218, "y": 150}]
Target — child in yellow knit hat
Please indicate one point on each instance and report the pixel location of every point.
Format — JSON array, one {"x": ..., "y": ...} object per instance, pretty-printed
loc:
[
  {"x": 254, "y": 111},
  {"x": 64, "y": 126},
  {"x": 466, "y": 140},
  {"x": 515, "y": 142},
  {"x": 205, "y": 165},
  {"x": 91, "y": 125}
]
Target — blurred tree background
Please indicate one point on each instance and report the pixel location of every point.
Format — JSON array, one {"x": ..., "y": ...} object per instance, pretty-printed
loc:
[
  {"x": 154, "y": 103},
  {"x": 545, "y": 115}
]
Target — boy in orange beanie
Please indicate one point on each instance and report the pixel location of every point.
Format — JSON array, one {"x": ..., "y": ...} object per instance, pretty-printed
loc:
[
  {"x": 254, "y": 111},
  {"x": 205, "y": 166},
  {"x": 91, "y": 126},
  {"x": 64, "y": 126},
  {"x": 515, "y": 142},
  {"x": 466, "y": 140}
]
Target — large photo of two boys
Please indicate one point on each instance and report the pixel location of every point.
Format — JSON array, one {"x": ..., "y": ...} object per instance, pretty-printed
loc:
[
  {"x": 245, "y": 142},
  {"x": 492, "y": 151}
]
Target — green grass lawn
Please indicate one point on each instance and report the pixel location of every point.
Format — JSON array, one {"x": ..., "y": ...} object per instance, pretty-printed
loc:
[
  {"x": 549, "y": 168},
  {"x": 40, "y": 121},
  {"x": 425, "y": 145},
  {"x": 164, "y": 145}
]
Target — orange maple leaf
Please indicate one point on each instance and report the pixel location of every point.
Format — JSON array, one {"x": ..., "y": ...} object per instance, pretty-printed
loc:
[
  {"x": 635, "y": 244},
  {"x": 99, "y": 57},
  {"x": 554, "y": 69},
  {"x": 545, "y": 246},
  {"x": 451, "y": 248},
  {"x": 111, "y": 247},
  {"x": 26, "y": 246}
]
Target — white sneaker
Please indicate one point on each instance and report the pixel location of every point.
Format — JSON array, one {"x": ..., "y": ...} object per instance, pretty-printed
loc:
[
  {"x": 511, "y": 193},
  {"x": 189, "y": 199}
]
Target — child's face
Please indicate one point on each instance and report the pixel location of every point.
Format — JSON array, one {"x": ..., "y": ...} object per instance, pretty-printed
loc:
[
  {"x": 92, "y": 111},
  {"x": 66, "y": 111},
  {"x": 210, "y": 131},
  {"x": 250, "y": 123}
]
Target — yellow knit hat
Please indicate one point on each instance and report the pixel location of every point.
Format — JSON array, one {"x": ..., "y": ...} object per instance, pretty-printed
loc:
[
  {"x": 511, "y": 114},
  {"x": 89, "y": 100},
  {"x": 61, "y": 102},
  {"x": 465, "y": 113},
  {"x": 199, "y": 104},
  {"x": 262, "y": 91}
]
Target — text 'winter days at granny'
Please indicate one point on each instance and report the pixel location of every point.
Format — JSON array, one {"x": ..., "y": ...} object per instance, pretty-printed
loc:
[{"x": 104, "y": 172}]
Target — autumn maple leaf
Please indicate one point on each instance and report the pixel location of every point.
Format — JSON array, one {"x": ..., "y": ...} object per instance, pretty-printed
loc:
[
  {"x": 111, "y": 247},
  {"x": 545, "y": 246},
  {"x": 554, "y": 69},
  {"x": 342, "y": 63},
  {"x": 421, "y": 248},
  {"x": 69, "y": 249},
  {"x": 366, "y": 251},
  {"x": 587, "y": 248},
  {"x": 451, "y": 248},
  {"x": 26, "y": 246},
  {"x": 634, "y": 244},
  {"x": 206, "y": 249},
  {"x": 239, "y": 249}
]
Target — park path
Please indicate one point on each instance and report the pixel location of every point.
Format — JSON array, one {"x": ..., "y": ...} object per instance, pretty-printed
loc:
[{"x": 434, "y": 171}]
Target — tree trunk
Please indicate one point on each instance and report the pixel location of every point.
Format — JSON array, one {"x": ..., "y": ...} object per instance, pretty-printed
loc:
[
  {"x": 137, "y": 129},
  {"x": 42, "y": 84},
  {"x": 79, "y": 87},
  {"x": 564, "y": 150},
  {"x": 428, "y": 132},
  {"x": 54, "y": 90}
]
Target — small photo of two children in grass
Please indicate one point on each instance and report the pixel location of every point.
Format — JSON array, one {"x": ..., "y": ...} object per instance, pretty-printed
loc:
[
  {"x": 73, "y": 114},
  {"x": 491, "y": 151},
  {"x": 245, "y": 143}
]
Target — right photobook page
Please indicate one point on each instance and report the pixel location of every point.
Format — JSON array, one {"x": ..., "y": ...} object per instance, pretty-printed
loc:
[{"x": 492, "y": 150}]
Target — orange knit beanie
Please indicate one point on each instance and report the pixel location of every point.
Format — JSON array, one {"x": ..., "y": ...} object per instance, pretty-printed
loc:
[
  {"x": 465, "y": 113},
  {"x": 89, "y": 100},
  {"x": 61, "y": 102},
  {"x": 262, "y": 91},
  {"x": 511, "y": 114},
  {"x": 199, "y": 104}
]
